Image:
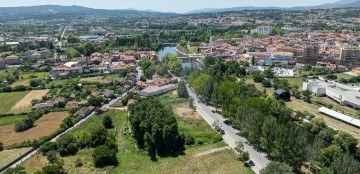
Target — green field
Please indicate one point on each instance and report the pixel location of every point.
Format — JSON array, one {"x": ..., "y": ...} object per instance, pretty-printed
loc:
[
  {"x": 209, "y": 156},
  {"x": 27, "y": 75},
  {"x": 294, "y": 81},
  {"x": 8, "y": 100},
  {"x": 11, "y": 120},
  {"x": 64, "y": 81}
]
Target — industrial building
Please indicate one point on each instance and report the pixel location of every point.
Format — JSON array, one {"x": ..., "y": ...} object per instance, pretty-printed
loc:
[
  {"x": 157, "y": 90},
  {"x": 343, "y": 94}
]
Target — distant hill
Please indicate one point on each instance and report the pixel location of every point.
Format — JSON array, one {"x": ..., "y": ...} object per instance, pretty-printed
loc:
[
  {"x": 22, "y": 12},
  {"x": 338, "y": 4}
]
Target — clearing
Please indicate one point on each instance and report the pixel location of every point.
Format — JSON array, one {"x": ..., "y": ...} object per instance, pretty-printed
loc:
[
  {"x": 24, "y": 105},
  {"x": 42, "y": 127},
  {"x": 183, "y": 110},
  {"x": 7, "y": 156},
  {"x": 8, "y": 100},
  {"x": 27, "y": 75}
]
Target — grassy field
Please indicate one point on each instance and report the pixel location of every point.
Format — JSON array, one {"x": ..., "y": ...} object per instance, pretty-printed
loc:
[
  {"x": 294, "y": 81},
  {"x": 11, "y": 120},
  {"x": 209, "y": 157},
  {"x": 8, "y": 100},
  {"x": 63, "y": 81},
  {"x": 37, "y": 74},
  {"x": 7, "y": 156},
  {"x": 42, "y": 127}
]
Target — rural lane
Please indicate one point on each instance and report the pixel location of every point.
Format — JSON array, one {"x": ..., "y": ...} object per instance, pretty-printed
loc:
[{"x": 231, "y": 135}]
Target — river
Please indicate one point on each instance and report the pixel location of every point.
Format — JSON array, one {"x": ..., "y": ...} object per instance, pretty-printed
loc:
[{"x": 172, "y": 50}]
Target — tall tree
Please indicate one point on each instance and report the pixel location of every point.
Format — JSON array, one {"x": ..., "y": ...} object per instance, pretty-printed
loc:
[{"x": 275, "y": 167}]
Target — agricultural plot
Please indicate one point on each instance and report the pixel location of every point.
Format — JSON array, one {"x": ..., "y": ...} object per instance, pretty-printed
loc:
[
  {"x": 42, "y": 127},
  {"x": 24, "y": 105},
  {"x": 9, "y": 100}
]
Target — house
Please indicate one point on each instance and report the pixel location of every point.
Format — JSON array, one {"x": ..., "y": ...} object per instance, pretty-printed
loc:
[
  {"x": 156, "y": 90},
  {"x": 63, "y": 71},
  {"x": 2, "y": 64},
  {"x": 95, "y": 93},
  {"x": 46, "y": 105},
  {"x": 60, "y": 101},
  {"x": 108, "y": 93},
  {"x": 282, "y": 94},
  {"x": 12, "y": 60},
  {"x": 141, "y": 85},
  {"x": 105, "y": 82},
  {"x": 130, "y": 104},
  {"x": 85, "y": 111},
  {"x": 72, "y": 104}
]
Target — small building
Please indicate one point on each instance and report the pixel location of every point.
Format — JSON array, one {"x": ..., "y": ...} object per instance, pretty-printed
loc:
[
  {"x": 156, "y": 90},
  {"x": 60, "y": 101},
  {"x": 108, "y": 93},
  {"x": 46, "y": 105},
  {"x": 85, "y": 111},
  {"x": 282, "y": 94}
]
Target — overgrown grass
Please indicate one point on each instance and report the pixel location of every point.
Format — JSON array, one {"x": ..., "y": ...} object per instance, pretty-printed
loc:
[
  {"x": 8, "y": 100},
  {"x": 97, "y": 121},
  {"x": 294, "y": 81},
  {"x": 38, "y": 74},
  {"x": 11, "y": 120},
  {"x": 64, "y": 81}
]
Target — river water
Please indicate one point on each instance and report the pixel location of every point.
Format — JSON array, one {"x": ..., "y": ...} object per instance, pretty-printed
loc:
[{"x": 161, "y": 53}]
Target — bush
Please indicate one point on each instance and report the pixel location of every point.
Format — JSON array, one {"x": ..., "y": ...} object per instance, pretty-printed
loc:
[
  {"x": 216, "y": 138},
  {"x": 107, "y": 122},
  {"x": 52, "y": 169},
  {"x": 98, "y": 137},
  {"x": 52, "y": 156},
  {"x": 104, "y": 156},
  {"x": 189, "y": 140},
  {"x": 48, "y": 146},
  {"x": 67, "y": 145},
  {"x": 78, "y": 162},
  {"x": 1, "y": 146}
]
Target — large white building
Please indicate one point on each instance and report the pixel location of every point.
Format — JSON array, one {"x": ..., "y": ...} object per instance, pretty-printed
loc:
[
  {"x": 262, "y": 30},
  {"x": 345, "y": 95}
]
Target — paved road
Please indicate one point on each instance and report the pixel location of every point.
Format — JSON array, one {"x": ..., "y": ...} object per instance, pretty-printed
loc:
[
  {"x": 71, "y": 128},
  {"x": 62, "y": 36},
  {"x": 231, "y": 135}
]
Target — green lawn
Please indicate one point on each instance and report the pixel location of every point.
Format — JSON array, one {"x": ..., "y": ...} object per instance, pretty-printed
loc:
[
  {"x": 8, "y": 100},
  {"x": 11, "y": 120},
  {"x": 27, "y": 75},
  {"x": 95, "y": 122},
  {"x": 294, "y": 81},
  {"x": 63, "y": 81}
]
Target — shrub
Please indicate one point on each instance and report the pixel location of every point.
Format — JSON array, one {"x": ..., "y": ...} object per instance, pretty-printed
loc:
[
  {"x": 104, "y": 156},
  {"x": 48, "y": 146},
  {"x": 52, "y": 156},
  {"x": 52, "y": 169},
  {"x": 107, "y": 122},
  {"x": 67, "y": 145},
  {"x": 189, "y": 140}
]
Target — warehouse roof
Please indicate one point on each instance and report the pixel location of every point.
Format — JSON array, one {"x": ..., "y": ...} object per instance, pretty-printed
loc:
[{"x": 340, "y": 116}]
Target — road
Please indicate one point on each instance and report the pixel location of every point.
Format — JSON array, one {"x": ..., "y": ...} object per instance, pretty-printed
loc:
[
  {"x": 62, "y": 36},
  {"x": 71, "y": 128},
  {"x": 231, "y": 135}
]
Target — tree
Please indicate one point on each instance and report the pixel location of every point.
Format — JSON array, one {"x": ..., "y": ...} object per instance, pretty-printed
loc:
[
  {"x": 1, "y": 146},
  {"x": 182, "y": 91},
  {"x": 266, "y": 83},
  {"x": 107, "y": 122},
  {"x": 104, "y": 156},
  {"x": 307, "y": 95},
  {"x": 258, "y": 76},
  {"x": 67, "y": 145},
  {"x": 52, "y": 156},
  {"x": 328, "y": 155},
  {"x": 54, "y": 168},
  {"x": 269, "y": 73},
  {"x": 183, "y": 43},
  {"x": 209, "y": 60},
  {"x": 98, "y": 136},
  {"x": 48, "y": 146},
  {"x": 346, "y": 141},
  {"x": 71, "y": 53},
  {"x": 245, "y": 156},
  {"x": 275, "y": 167},
  {"x": 345, "y": 164}
]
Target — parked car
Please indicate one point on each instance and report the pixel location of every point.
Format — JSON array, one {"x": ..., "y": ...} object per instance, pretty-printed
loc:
[
  {"x": 222, "y": 132},
  {"x": 251, "y": 163}
]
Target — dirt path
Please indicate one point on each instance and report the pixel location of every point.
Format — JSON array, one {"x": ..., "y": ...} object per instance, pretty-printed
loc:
[
  {"x": 212, "y": 151},
  {"x": 25, "y": 102}
]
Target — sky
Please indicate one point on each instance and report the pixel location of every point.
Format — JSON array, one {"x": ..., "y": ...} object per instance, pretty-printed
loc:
[{"x": 179, "y": 6}]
